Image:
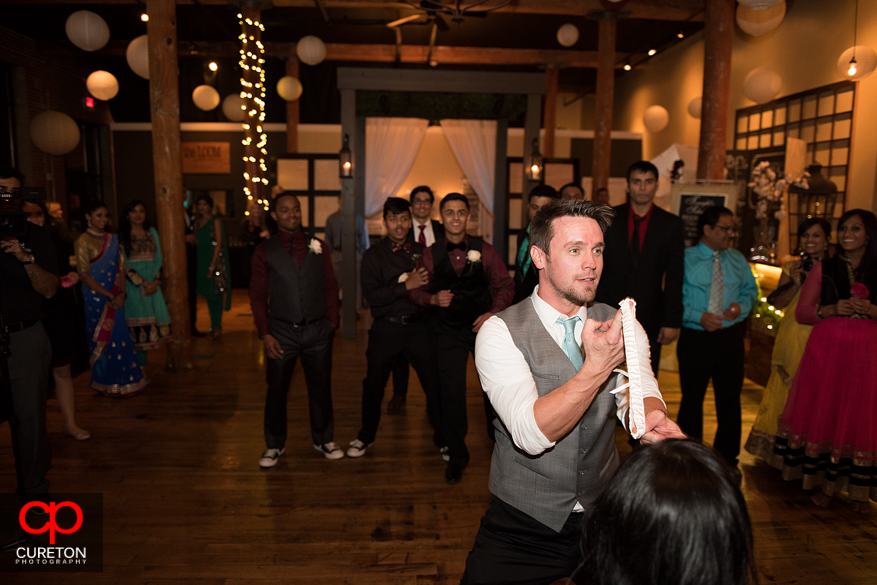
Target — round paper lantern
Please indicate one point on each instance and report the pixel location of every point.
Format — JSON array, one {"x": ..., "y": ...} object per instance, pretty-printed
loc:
[
  {"x": 232, "y": 107},
  {"x": 205, "y": 97},
  {"x": 758, "y": 22},
  {"x": 866, "y": 60},
  {"x": 289, "y": 88},
  {"x": 762, "y": 84},
  {"x": 103, "y": 85},
  {"x": 759, "y": 4},
  {"x": 567, "y": 35},
  {"x": 311, "y": 50},
  {"x": 137, "y": 55},
  {"x": 54, "y": 132},
  {"x": 656, "y": 118},
  {"x": 695, "y": 107},
  {"x": 87, "y": 30}
]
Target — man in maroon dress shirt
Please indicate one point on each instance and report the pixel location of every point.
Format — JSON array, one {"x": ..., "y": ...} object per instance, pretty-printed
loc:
[
  {"x": 294, "y": 297},
  {"x": 468, "y": 283}
]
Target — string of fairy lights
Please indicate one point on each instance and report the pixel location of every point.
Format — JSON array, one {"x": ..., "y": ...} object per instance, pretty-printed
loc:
[{"x": 253, "y": 93}]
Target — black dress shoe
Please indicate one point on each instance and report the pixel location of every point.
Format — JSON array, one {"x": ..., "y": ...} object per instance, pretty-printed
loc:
[{"x": 453, "y": 473}]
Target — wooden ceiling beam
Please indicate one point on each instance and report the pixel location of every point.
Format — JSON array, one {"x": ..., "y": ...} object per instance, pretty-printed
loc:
[
  {"x": 645, "y": 9},
  {"x": 444, "y": 55}
]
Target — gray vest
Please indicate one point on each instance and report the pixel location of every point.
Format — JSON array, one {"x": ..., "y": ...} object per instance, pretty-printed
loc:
[
  {"x": 295, "y": 293},
  {"x": 546, "y": 486}
]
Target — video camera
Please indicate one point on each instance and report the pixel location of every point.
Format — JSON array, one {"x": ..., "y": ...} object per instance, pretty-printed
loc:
[{"x": 13, "y": 222}]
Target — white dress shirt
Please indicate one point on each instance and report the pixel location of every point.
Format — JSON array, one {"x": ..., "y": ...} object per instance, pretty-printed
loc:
[
  {"x": 428, "y": 232},
  {"x": 508, "y": 381}
]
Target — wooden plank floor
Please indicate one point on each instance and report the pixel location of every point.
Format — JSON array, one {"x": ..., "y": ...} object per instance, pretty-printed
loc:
[{"x": 185, "y": 500}]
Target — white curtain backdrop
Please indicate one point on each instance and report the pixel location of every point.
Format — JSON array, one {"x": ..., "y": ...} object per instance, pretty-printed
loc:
[
  {"x": 474, "y": 146},
  {"x": 391, "y": 144}
]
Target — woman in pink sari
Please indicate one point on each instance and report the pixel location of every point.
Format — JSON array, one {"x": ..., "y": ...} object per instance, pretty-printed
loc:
[
  {"x": 828, "y": 430},
  {"x": 101, "y": 265}
]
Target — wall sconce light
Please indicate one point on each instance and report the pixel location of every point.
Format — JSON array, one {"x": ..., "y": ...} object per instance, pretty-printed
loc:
[
  {"x": 534, "y": 165},
  {"x": 345, "y": 162}
]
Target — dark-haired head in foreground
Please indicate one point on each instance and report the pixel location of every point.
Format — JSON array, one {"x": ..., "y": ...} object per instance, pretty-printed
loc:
[{"x": 672, "y": 515}]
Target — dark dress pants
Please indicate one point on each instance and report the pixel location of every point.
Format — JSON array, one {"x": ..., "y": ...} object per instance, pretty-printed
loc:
[
  {"x": 29, "y": 361},
  {"x": 454, "y": 346},
  {"x": 718, "y": 356},
  {"x": 513, "y": 548},
  {"x": 387, "y": 342},
  {"x": 313, "y": 343},
  {"x": 400, "y": 376}
]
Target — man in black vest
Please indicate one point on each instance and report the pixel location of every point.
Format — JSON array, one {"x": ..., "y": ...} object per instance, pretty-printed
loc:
[
  {"x": 400, "y": 327},
  {"x": 527, "y": 277},
  {"x": 468, "y": 283},
  {"x": 644, "y": 256},
  {"x": 294, "y": 296}
]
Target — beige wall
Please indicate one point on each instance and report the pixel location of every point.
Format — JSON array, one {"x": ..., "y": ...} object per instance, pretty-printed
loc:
[{"x": 803, "y": 50}]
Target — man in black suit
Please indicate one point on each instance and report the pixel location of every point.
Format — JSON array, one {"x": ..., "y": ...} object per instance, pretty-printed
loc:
[
  {"x": 424, "y": 230},
  {"x": 644, "y": 259},
  {"x": 526, "y": 275}
]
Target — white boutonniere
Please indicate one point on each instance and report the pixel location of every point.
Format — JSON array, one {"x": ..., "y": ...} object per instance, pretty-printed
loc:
[
  {"x": 315, "y": 246},
  {"x": 402, "y": 277},
  {"x": 473, "y": 256}
]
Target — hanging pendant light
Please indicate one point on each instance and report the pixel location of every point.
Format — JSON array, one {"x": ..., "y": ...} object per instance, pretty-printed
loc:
[{"x": 535, "y": 164}]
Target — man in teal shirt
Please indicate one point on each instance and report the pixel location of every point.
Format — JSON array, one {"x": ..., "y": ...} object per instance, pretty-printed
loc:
[{"x": 717, "y": 294}]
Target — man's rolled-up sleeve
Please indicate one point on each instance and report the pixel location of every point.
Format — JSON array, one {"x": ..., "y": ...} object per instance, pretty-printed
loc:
[{"x": 509, "y": 384}]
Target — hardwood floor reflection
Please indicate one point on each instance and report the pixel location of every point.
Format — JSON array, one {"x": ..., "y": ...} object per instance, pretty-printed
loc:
[{"x": 186, "y": 502}]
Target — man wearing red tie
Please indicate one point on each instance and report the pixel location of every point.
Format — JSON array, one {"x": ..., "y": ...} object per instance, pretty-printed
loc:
[{"x": 424, "y": 231}]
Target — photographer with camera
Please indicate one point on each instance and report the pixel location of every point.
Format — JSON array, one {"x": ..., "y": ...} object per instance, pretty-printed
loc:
[{"x": 28, "y": 275}]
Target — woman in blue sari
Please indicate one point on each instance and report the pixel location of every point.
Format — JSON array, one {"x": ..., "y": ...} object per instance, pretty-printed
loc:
[{"x": 101, "y": 265}]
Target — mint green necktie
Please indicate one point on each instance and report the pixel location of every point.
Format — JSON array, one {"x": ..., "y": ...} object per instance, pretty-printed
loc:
[{"x": 570, "y": 346}]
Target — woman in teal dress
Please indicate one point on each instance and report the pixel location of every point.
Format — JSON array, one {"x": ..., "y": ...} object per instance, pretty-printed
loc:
[
  {"x": 214, "y": 273},
  {"x": 145, "y": 310},
  {"x": 101, "y": 266}
]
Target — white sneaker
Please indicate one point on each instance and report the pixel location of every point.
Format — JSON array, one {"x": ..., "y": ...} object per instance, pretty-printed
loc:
[
  {"x": 444, "y": 452},
  {"x": 330, "y": 450},
  {"x": 270, "y": 457},
  {"x": 357, "y": 448}
]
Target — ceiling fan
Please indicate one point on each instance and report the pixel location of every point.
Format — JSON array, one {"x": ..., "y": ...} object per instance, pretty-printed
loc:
[{"x": 456, "y": 9}]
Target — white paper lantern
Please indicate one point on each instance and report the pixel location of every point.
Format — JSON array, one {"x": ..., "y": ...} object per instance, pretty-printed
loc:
[
  {"x": 866, "y": 60},
  {"x": 762, "y": 84},
  {"x": 759, "y": 4},
  {"x": 567, "y": 35},
  {"x": 137, "y": 55},
  {"x": 87, "y": 30},
  {"x": 656, "y": 118},
  {"x": 54, "y": 132},
  {"x": 205, "y": 97},
  {"x": 695, "y": 107},
  {"x": 103, "y": 85},
  {"x": 289, "y": 88},
  {"x": 311, "y": 50},
  {"x": 232, "y": 107},
  {"x": 758, "y": 22}
]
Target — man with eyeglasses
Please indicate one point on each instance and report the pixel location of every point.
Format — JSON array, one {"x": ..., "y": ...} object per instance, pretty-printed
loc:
[
  {"x": 424, "y": 230},
  {"x": 717, "y": 294}
]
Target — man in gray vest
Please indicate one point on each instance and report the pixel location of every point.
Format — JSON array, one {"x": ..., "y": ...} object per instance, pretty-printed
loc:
[
  {"x": 294, "y": 297},
  {"x": 547, "y": 365}
]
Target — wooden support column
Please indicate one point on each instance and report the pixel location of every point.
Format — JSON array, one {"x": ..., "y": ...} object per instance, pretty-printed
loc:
[
  {"x": 549, "y": 116},
  {"x": 603, "y": 103},
  {"x": 347, "y": 278},
  {"x": 501, "y": 191},
  {"x": 292, "y": 111},
  {"x": 718, "y": 39},
  {"x": 168, "y": 163},
  {"x": 531, "y": 133}
]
